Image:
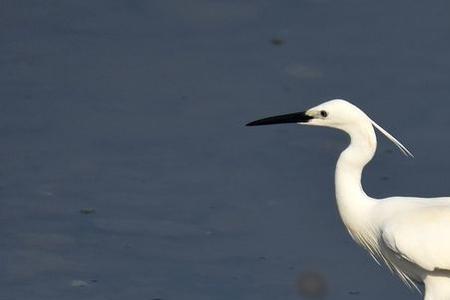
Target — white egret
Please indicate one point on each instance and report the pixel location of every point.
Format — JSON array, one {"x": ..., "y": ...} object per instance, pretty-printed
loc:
[{"x": 411, "y": 235}]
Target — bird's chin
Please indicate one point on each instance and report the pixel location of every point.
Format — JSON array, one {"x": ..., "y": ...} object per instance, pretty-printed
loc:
[{"x": 311, "y": 122}]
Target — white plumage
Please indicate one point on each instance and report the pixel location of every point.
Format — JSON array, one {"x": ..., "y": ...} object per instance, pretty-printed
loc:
[{"x": 410, "y": 235}]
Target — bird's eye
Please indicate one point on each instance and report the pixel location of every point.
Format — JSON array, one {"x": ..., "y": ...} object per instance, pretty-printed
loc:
[{"x": 323, "y": 113}]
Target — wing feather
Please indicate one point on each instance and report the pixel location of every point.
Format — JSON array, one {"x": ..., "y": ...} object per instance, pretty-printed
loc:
[{"x": 421, "y": 236}]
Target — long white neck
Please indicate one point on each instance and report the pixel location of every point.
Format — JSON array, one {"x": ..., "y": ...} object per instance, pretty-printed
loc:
[{"x": 353, "y": 203}]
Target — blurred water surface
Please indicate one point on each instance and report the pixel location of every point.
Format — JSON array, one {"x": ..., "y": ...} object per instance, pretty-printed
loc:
[{"x": 126, "y": 171}]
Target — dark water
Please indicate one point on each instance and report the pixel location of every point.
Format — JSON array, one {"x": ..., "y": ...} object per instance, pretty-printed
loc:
[{"x": 126, "y": 172}]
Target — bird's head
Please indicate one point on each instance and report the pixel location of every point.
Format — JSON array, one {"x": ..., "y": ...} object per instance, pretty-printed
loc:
[{"x": 336, "y": 113}]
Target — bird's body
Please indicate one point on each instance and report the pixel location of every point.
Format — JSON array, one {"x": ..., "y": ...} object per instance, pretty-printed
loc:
[{"x": 410, "y": 235}]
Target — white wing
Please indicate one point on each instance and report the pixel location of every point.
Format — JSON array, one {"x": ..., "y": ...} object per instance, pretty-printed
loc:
[{"x": 421, "y": 236}]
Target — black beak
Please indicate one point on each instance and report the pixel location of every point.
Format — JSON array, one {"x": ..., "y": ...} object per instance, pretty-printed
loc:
[{"x": 299, "y": 117}]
